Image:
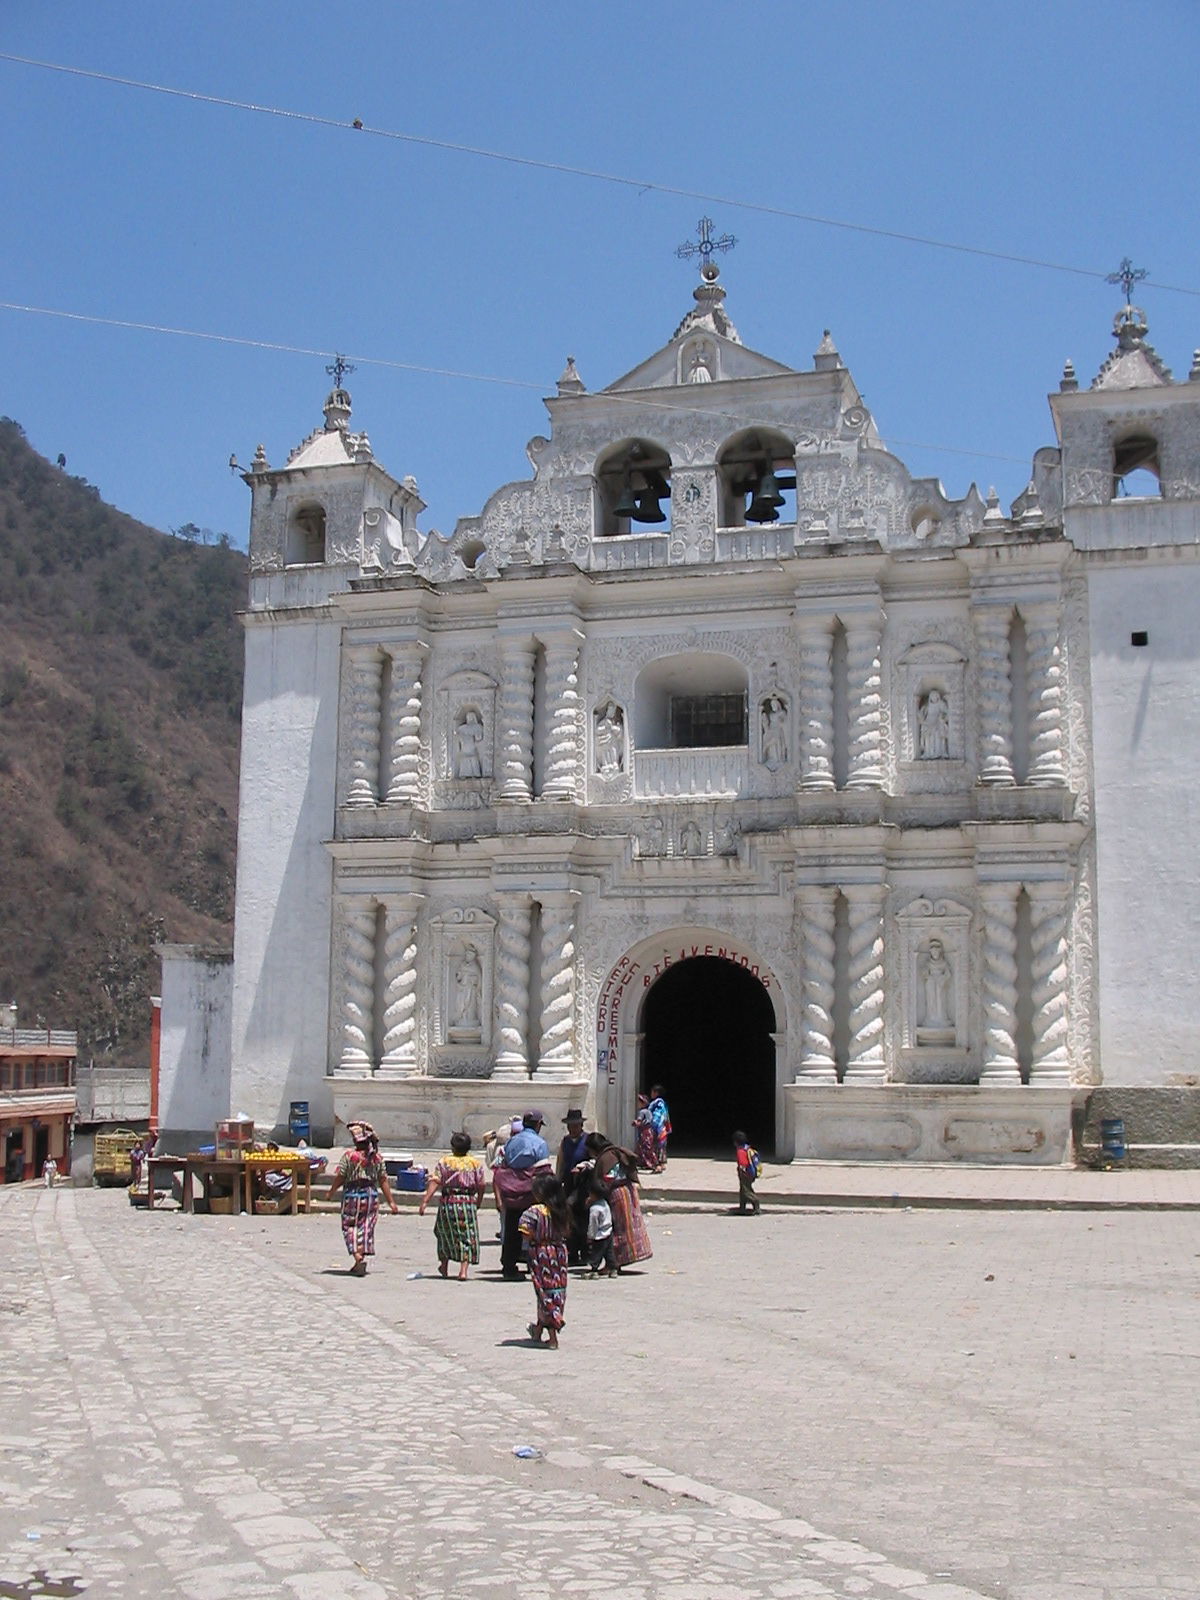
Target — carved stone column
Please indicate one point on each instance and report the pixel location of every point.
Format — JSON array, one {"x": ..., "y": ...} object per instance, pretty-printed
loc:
[
  {"x": 514, "y": 916},
  {"x": 355, "y": 955},
  {"x": 817, "y": 913},
  {"x": 399, "y": 1058},
  {"x": 516, "y": 719},
  {"x": 556, "y": 1059},
  {"x": 999, "y": 902},
  {"x": 864, "y": 694},
  {"x": 993, "y": 624},
  {"x": 865, "y": 1061},
  {"x": 404, "y": 758},
  {"x": 1044, "y": 689},
  {"x": 562, "y": 693},
  {"x": 816, "y": 702},
  {"x": 364, "y": 704},
  {"x": 1049, "y": 905}
]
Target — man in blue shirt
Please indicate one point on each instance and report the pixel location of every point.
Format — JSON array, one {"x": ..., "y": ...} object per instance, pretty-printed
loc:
[{"x": 524, "y": 1152}]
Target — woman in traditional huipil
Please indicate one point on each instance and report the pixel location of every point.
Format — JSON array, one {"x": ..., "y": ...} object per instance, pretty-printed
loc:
[
  {"x": 660, "y": 1117},
  {"x": 543, "y": 1228},
  {"x": 458, "y": 1180},
  {"x": 617, "y": 1170},
  {"x": 643, "y": 1127},
  {"x": 362, "y": 1177}
]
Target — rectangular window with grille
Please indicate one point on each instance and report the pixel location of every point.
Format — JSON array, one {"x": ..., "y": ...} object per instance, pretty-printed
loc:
[{"x": 700, "y": 721}]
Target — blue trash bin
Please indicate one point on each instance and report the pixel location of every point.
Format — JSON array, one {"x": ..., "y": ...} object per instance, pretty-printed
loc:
[
  {"x": 1112, "y": 1139},
  {"x": 298, "y": 1120}
]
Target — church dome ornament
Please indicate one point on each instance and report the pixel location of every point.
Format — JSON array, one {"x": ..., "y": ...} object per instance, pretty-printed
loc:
[
  {"x": 337, "y": 405},
  {"x": 708, "y": 294}
]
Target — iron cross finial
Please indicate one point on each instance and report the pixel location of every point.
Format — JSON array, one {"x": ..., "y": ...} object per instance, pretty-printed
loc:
[
  {"x": 704, "y": 249},
  {"x": 1127, "y": 275},
  {"x": 338, "y": 369}
]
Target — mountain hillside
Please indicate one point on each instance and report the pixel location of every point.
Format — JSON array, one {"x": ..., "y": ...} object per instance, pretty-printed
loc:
[{"x": 120, "y": 694}]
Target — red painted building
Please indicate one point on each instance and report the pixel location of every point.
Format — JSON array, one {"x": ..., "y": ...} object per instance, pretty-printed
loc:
[{"x": 37, "y": 1097}]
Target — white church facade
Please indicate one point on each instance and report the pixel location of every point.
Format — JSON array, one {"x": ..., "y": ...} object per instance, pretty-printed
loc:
[{"x": 724, "y": 754}]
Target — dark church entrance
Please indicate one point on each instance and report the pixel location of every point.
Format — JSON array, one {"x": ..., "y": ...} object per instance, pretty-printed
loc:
[{"x": 706, "y": 1027}]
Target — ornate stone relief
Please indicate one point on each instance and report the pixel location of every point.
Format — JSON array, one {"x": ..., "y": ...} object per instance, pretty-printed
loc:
[
  {"x": 930, "y": 680},
  {"x": 935, "y": 990},
  {"x": 465, "y": 744},
  {"x": 462, "y": 955}
]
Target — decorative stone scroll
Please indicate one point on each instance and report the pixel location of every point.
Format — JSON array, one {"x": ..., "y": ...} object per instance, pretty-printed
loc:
[
  {"x": 461, "y": 945},
  {"x": 934, "y": 976}
]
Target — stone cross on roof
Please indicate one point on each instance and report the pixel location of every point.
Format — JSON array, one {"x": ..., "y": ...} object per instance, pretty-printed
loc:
[
  {"x": 1127, "y": 275},
  {"x": 338, "y": 368}
]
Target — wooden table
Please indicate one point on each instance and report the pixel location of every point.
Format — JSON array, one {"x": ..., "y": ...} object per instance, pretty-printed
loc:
[{"x": 235, "y": 1172}]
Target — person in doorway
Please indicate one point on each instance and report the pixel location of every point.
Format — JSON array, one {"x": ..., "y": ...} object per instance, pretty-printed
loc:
[
  {"x": 600, "y": 1233},
  {"x": 748, "y": 1169},
  {"x": 49, "y": 1171},
  {"x": 616, "y": 1176},
  {"x": 458, "y": 1178},
  {"x": 543, "y": 1227},
  {"x": 362, "y": 1177},
  {"x": 643, "y": 1128},
  {"x": 660, "y": 1118},
  {"x": 526, "y": 1156}
]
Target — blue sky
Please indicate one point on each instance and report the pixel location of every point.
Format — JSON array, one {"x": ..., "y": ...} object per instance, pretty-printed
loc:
[{"x": 1059, "y": 131}]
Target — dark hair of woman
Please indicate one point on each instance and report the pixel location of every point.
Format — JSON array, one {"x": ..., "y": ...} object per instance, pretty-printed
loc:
[
  {"x": 548, "y": 1192},
  {"x": 612, "y": 1158},
  {"x": 656, "y": 1090},
  {"x": 460, "y": 1143}
]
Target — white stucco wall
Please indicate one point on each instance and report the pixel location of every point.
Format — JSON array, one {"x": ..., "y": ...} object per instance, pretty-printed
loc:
[
  {"x": 284, "y": 877},
  {"x": 1146, "y": 733},
  {"x": 193, "y": 1082}
]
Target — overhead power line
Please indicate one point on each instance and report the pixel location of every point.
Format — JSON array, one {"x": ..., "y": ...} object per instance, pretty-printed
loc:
[
  {"x": 279, "y": 348},
  {"x": 645, "y": 185}
]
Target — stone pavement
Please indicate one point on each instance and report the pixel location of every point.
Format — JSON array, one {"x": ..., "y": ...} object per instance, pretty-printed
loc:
[{"x": 933, "y": 1404}]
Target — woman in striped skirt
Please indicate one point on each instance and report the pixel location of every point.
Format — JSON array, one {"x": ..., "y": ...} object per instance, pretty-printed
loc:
[
  {"x": 458, "y": 1181},
  {"x": 361, "y": 1176}
]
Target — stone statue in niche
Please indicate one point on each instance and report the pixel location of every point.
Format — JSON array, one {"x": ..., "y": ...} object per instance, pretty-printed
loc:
[
  {"x": 468, "y": 744},
  {"x": 610, "y": 740},
  {"x": 691, "y": 841},
  {"x": 933, "y": 727},
  {"x": 774, "y": 732},
  {"x": 700, "y": 371},
  {"x": 935, "y": 987},
  {"x": 465, "y": 1021},
  {"x": 648, "y": 837}
]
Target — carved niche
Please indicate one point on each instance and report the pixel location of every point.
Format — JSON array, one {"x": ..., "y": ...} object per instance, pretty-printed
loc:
[
  {"x": 610, "y": 740},
  {"x": 930, "y": 678},
  {"x": 463, "y": 950},
  {"x": 774, "y": 730},
  {"x": 465, "y": 735},
  {"x": 935, "y": 989}
]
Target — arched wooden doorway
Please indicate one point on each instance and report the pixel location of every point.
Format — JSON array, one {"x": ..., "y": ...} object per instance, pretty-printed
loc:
[{"x": 707, "y": 1036}]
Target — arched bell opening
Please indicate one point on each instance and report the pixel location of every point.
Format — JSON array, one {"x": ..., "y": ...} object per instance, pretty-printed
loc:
[
  {"x": 758, "y": 479},
  {"x": 708, "y": 1037},
  {"x": 306, "y": 535},
  {"x": 633, "y": 488},
  {"x": 1135, "y": 472}
]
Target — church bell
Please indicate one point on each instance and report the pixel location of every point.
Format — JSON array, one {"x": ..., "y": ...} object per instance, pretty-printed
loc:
[
  {"x": 767, "y": 499},
  {"x": 627, "y": 505}
]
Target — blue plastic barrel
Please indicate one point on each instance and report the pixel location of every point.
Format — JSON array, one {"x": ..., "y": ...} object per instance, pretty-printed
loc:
[
  {"x": 1112, "y": 1138},
  {"x": 298, "y": 1119}
]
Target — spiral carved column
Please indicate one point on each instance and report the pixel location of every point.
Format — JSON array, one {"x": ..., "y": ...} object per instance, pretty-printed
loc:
[
  {"x": 816, "y": 703},
  {"x": 864, "y": 693},
  {"x": 865, "y": 1061},
  {"x": 357, "y": 990},
  {"x": 562, "y": 691},
  {"x": 1000, "y": 1065},
  {"x": 993, "y": 626},
  {"x": 556, "y": 1058},
  {"x": 817, "y": 920},
  {"x": 399, "y": 1058},
  {"x": 1049, "y": 908},
  {"x": 516, "y": 719},
  {"x": 404, "y": 775},
  {"x": 365, "y": 669},
  {"x": 513, "y": 947},
  {"x": 1044, "y": 685}
]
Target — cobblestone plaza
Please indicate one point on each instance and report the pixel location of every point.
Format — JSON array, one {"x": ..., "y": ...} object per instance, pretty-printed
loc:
[{"x": 937, "y": 1404}]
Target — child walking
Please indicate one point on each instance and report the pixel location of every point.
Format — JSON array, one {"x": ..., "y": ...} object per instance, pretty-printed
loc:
[
  {"x": 748, "y": 1166},
  {"x": 544, "y": 1229},
  {"x": 600, "y": 1234}
]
